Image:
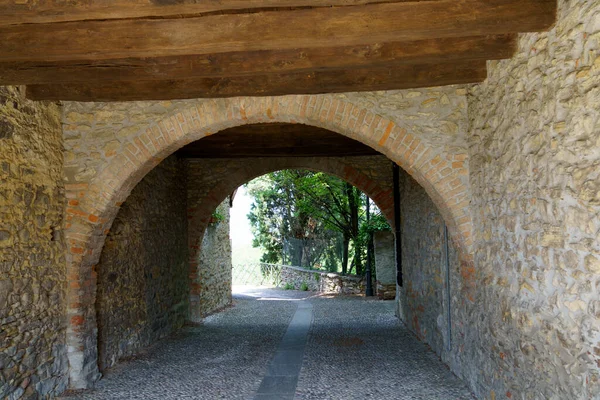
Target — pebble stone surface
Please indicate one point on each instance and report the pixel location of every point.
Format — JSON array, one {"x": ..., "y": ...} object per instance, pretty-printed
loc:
[{"x": 356, "y": 348}]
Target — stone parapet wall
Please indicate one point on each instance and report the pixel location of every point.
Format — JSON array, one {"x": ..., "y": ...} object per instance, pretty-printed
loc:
[
  {"x": 385, "y": 291},
  {"x": 143, "y": 284},
  {"x": 33, "y": 350},
  {"x": 535, "y": 173},
  {"x": 318, "y": 281}
]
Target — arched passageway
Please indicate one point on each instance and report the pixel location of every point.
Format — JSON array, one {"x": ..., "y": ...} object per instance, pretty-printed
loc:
[
  {"x": 149, "y": 278},
  {"x": 372, "y": 175},
  {"x": 94, "y": 203}
]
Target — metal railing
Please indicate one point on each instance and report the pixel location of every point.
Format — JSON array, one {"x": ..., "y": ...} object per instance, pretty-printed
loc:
[{"x": 258, "y": 274}]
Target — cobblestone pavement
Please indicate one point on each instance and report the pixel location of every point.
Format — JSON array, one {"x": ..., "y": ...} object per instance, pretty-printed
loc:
[{"x": 356, "y": 348}]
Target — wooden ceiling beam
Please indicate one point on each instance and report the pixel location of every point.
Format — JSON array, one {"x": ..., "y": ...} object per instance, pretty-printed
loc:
[
  {"x": 389, "y": 55},
  {"x": 15, "y": 12},
  {"x": 272, "y": 30},
  {"x": 367, "y": 79}
]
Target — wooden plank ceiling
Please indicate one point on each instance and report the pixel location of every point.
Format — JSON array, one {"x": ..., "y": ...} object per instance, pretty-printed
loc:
[
  {"x": 274, "y": 140},
  {"x": 117, "y": 50}
]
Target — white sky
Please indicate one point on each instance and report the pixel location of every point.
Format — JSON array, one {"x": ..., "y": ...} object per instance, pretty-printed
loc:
[{"x": 240, "y": 226}]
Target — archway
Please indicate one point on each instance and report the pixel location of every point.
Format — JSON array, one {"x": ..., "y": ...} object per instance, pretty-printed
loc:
[
  {"x": 241, "y": 172},
  {"x": 94, "y": 204}
]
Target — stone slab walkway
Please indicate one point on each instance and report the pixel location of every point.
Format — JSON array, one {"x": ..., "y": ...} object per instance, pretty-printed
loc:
[{"x": 286, "y": 345}]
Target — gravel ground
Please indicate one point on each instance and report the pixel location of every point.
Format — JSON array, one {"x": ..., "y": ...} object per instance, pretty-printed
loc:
[
  {"x": 356, "y": 348},
  {"x": 224, "y": 358}
]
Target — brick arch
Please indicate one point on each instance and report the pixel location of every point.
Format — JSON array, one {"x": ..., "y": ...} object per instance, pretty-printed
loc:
[
  {"x": 93, "y": 205},
  {"x": 201, "y": 211}
]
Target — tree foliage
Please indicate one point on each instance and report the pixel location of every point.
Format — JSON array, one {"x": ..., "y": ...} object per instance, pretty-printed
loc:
[{"x": 311, "y": 219}]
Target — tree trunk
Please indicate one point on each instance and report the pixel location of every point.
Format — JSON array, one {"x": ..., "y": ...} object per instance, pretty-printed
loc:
[
  {"x": 357, "y": 257},
  {"x": 345, "y": 254},
  {"x": 353, "y": 204}
]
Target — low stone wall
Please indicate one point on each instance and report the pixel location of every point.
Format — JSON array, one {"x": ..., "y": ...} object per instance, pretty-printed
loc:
[{"x": 323, "y": 282}]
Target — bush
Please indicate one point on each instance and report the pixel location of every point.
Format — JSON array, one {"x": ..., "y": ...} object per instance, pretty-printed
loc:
[
  {"x": 304, "y": 286},
  {"x": 288, "y": 286}
]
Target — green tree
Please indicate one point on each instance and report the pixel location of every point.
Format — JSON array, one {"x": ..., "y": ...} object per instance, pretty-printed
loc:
[{"x": 305, "y": 217}]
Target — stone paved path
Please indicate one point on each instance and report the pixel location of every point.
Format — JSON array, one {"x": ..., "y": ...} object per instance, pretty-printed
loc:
[{"x": 282, "y": 345}]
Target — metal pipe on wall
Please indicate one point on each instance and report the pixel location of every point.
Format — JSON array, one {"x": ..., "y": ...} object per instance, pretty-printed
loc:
[
  {"x": 397, "y": 228},
  {"x": 448, "y": 297}
]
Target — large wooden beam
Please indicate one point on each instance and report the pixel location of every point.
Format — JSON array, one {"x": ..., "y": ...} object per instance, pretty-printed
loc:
[
  {"x": 16, "y": 12},
  {"x": 261, "y": 62},
  {"x": 273, "y": 30},
  {"x": 401, "y": 77}
]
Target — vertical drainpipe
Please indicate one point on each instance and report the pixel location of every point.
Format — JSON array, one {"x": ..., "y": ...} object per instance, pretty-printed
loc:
[
  {"x": 368, "y": 275},
  {"x": 397, "y": 229},
  {"x": 448, "y": 297}
]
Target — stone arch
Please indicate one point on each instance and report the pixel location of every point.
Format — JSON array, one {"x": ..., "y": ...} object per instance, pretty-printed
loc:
[
  {"x": 93, "y": 205},
  {"x": 200, "y": 212}
]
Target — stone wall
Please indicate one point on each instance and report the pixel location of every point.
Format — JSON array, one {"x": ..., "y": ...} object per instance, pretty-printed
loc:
[
  {"x": 385, "y": 265},
  {"x": 143, "y": 287},
  {"x": 423, "y": 301},
  {"x": 214, "y": 266},
  {"x": 318, "y": 281},
  {"x": 535, "y": 173},
  {"x": 33, "y": 361}
]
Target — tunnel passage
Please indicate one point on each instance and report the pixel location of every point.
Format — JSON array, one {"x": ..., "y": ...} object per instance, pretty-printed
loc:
[
  {"x": 146, "y": 289},
  {"x": 152, "y": 275},
  {"x": 131, "y": 156}
]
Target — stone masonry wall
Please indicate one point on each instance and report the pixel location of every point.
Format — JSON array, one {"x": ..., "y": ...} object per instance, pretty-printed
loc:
[
  {"x": 33, "y": 360},
  {"x": 214, "y": 266},
  {"x": 318, "y": 281},
  {"x": 111, "y": 145},
  {"x": 143, "y": 285},
  {"x": 423, "y": 302},
  {"x": 534, "y": 142}
]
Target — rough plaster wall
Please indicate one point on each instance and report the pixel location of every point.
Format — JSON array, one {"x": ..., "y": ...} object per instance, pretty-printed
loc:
[
  {"x": 143, "y": 271},
  {"x": 535, "y": 173},
  {"x": 32, "y": 266},
  {"x": 423, "y": 299},
  {"x": 214, "y": 265},
  {"x": 385, "y": 258}
]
